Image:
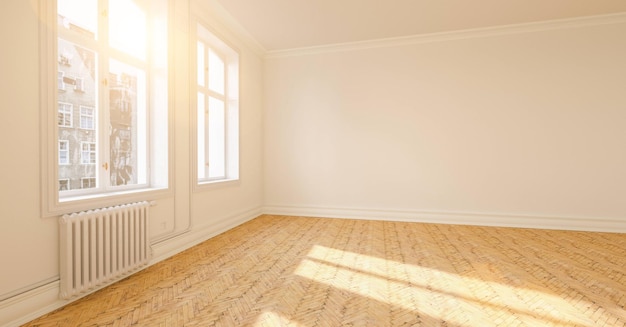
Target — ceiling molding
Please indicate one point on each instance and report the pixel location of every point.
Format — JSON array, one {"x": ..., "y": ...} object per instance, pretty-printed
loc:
[
  {"x": 226, "y": 23},
  {"x": 454, "y": 35}
]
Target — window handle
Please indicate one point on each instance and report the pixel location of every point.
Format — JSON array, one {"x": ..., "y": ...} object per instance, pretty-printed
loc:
[{"x": 105, "y": 166}]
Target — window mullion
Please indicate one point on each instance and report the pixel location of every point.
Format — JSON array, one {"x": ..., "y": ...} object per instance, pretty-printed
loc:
[
  {"x": 103, "y": 162},
  {"x": 207, "y": 158},
  {"x": 226, "y": 114},
  {"x": 206, "y": 118}
]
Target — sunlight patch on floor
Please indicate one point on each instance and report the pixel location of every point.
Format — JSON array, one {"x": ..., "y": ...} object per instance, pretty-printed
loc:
[
  {"x": 436, "y": 293},
  {"x": 272, "y": 319}
]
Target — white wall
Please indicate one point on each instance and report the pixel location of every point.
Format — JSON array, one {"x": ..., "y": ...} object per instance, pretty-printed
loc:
[
  {"x": 508, "y": 129},
  {"x": 29, "y": 243}
]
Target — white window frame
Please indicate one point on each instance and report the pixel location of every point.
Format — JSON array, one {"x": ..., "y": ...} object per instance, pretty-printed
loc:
[
  {"x": 65, "y": 113},
  {"x": 231, "y": 57},
  {"x": 80, "y": 84},
  {"x": 89, "y": 179},
  {"x": 160, "y": 126},
  {"x": 60, "y": 82},
  {"x": 67, "y": 180},
  {"x": 90, "y": 155},
  {"x": 92, "y": 117},
  {"x": 66, "y": 150}
]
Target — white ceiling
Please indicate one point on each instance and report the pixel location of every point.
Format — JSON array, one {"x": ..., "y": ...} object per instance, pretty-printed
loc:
[{"x": 289, "y": 24}]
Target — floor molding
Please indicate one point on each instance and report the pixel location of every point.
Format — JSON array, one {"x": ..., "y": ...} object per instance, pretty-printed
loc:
[
  {"x": 199, "y": 234},
  {"x": 457, "y": 218},
  {"x": 29, "y": 305}
]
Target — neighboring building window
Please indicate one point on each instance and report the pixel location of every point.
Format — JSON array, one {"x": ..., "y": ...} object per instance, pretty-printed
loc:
[
  {"x": 64, "y": 116},
  {"x": 217, "y": 109},
  {"x": 64, "y": 152},
  {"x": 86, "y": 117},
  {"x": 79, "y": 85},
  {"x": 87, "y": 182},
  {"x": 87, "y": 153},
  {"x": 64, "y": 184},
  {"x": 60, "y": 82},
  {"x": 114, "y": 56}
]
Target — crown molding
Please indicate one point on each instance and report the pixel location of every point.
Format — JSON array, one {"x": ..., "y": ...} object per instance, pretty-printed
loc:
[
  {"x": 227, "y": 24},
  {"x": 570, "y": 23}
]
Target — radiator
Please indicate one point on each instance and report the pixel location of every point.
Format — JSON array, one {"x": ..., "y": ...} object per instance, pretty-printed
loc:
[{"x": 101, "y": 246}]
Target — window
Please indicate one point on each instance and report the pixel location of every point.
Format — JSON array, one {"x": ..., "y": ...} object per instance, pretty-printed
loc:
[
  {"x": 64, "y": 184},
  {"x": 79, "y": 84},
  {"x": 60, "y": 82},
  {"x": 64, "y": 152},
  {"x": 114, "y": 55},
  {"x": 87, "y": 182},
  {"x": 217, "y": 112},
  {"x": 65, "y": 114},
  {"x": 87, "y": 153},
  {"x": 86, "y": 117}
]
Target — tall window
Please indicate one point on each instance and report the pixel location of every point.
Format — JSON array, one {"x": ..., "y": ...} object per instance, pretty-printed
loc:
[
  {"x": 217, "y": 109},
  {"x": 112, "y": 64}
]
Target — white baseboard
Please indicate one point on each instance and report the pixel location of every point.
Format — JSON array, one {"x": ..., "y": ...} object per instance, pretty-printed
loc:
[
  {"x": 199, "y": 234},
  {"x": 458, "y": 218},
  {"x": 42, "y": 299},
  {"x": 22, "y": 308}
]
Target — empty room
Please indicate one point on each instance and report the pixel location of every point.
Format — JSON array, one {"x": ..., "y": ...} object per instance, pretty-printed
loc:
[{"x": 313, "y": 163}]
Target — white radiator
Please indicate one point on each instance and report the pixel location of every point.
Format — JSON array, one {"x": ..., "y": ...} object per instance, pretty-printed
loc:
[{"x": 101, "y": 246}]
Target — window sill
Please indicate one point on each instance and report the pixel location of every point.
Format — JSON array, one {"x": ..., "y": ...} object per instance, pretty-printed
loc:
[
  {"x": 93, "y": 201},
  {"x": 208, "y": 185}
]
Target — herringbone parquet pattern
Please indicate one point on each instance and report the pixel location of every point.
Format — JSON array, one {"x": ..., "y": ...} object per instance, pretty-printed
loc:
[{"x": 293, "y": 271}]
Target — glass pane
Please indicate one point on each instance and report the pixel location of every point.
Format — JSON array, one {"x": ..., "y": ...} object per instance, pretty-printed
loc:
[
  {"x": 158, "y": 34},
  {"x": 79, "y": 64},
  {"x": 201, "y": 137},
  {"x": 86, "y": 118},
  {"x": 201, "y": 65},
  {"x": 63, "y": 153},
  {"x": 127, "y": 130},
  {"x": 217, "y": 154},
  {"x": 80, "y": 16},
  {"x": 216, "y": 73},
  {"x": 128, "y": 27}
]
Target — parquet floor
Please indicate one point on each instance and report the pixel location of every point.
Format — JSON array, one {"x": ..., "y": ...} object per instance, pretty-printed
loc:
[{"x": 293, "y": 271}]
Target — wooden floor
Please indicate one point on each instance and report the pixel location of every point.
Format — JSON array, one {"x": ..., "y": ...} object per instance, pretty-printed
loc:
[{"x": 290, "y": 271}]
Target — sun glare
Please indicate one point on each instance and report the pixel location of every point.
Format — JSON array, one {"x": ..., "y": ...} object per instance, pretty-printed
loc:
[
  {"x": 128, "y": 28},
  {"x": 271, "y": 319},
  {"x": 436, "y": 293}
]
